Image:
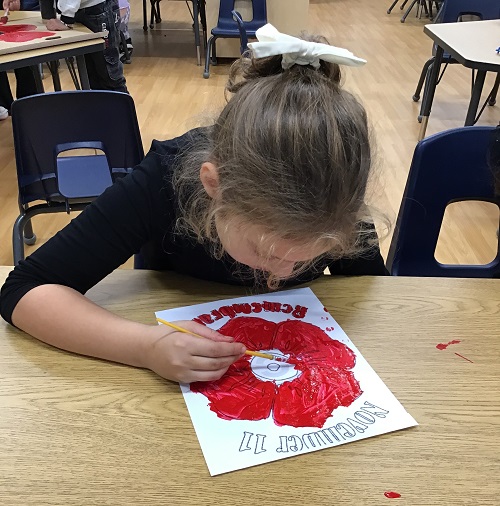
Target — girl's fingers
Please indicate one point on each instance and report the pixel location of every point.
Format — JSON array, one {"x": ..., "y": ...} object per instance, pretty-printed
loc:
[
  {"x": 212, "y": 364},
  {"x": 205, "y": 375},
  {"x": 206, "y": 332},
  {"x": 214, "y": 349}
]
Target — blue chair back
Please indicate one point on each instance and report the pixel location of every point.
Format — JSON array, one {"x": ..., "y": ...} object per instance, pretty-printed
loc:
[
  {"x": 228, "y": 27},
  {"x": 453, "y": 9},
  {"x": 448, "y": 167},
  {"x": 47, "y": 124}
]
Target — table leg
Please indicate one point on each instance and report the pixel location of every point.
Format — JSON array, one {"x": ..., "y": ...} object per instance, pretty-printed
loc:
[
  {"x": 429, "y": 97},
  {"x": 203, "y": 17},
  {"x": 475, "y": 98},
  {"x": 196, "y": 27},
  {"x": 38, "y": 79},
  {"x": 82, "y": 72}
]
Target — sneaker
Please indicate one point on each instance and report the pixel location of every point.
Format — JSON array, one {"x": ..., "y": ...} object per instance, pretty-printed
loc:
[{"x": 4, "y": 113}]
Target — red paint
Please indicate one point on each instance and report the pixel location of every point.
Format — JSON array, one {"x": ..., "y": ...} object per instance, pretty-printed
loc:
[
  {"x": 24, "y": 36},
  {"x": 464, "y": 358},
  {"x": 392, "y": 495},
  {"x": 443, "y": 346},
  {"x": 21, "y": 33},
  {"x": 17, "y": 28},
  {"x": 325, "y": 382}
]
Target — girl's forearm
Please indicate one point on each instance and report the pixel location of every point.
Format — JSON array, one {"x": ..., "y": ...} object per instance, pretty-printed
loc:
[{"x": 62, "y": 317}]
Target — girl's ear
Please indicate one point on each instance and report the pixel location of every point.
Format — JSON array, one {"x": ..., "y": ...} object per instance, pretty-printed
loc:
[{"x": 209, "y": 178}]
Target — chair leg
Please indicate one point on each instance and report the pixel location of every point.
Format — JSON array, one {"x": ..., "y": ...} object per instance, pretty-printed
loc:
[
  {"x": 126, "y": 52},
  {"x": 423, "y": 75},
  {"x": 72, "y": 72},
  {"x": 22, "y": 234},
  {"x": 389, "y": 10},
  {"x": 494, "y": 91},
  {"x": 54, "y": 72},
  {"x": 155, "y": 13},
  {"x": 17, "y": 240},
  {"x": 426, "y": 91},
  {"x": 405, "y": 15},
  {"x": 28, "y": 235},
  {"x": 210, "y": 45}
]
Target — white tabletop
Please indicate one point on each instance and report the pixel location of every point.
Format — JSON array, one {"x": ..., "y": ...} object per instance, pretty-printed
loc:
[{"x": 471, "y": 43}]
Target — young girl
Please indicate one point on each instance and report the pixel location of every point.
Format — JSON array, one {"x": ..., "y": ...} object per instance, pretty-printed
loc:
[{"x": 272, "y": 193}]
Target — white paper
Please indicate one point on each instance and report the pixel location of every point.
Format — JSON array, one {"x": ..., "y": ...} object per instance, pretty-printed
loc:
[{"x": 231, "y": 444}]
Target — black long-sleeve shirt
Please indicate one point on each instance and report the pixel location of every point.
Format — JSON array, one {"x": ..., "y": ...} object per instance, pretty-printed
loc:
[{"x": 138, "y": 213}]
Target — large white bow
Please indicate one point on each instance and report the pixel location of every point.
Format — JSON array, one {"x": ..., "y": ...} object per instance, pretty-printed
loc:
[{"x": 298, "y": 51}]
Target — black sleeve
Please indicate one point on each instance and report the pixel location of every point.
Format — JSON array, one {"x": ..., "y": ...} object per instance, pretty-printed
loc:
[
  {"x": 99, "y": 240},
  {"x": 47, "y": 9},
  {"x": 369, "y": 263}
]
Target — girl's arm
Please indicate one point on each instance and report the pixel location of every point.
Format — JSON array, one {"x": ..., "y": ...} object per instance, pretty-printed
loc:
[{"x": 62, "y": 317}]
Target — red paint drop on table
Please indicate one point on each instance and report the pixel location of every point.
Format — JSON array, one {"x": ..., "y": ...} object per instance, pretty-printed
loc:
[
  {"x": 443, "y": 346},
  {"x": 392, "y": 495}
]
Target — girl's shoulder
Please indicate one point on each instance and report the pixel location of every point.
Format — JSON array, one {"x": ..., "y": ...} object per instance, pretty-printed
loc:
[{"x": 177, "y": 145}]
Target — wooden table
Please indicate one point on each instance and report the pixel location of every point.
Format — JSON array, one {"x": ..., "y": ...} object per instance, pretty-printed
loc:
[
  {"x": 79, "y": 431},
  {"x": 47, "y": 54},
  {"x": 472, "y": 44}
]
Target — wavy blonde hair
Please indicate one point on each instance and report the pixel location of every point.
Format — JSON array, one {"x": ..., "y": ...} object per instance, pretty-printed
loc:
[{"x": 293, "y": 155}]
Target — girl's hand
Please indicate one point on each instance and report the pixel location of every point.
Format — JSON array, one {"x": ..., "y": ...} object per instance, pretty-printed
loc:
[
  {"x": 12, "y": 5},
  {"x": 182, "y": 357},
  {"x": 55, "y": 25}
]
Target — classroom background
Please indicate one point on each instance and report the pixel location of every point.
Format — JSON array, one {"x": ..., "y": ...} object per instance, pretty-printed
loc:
[{"x": 172, "y": 96}]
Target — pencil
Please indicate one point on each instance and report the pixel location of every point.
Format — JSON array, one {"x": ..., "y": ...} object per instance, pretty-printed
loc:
[{"x": 247, "y": 352}]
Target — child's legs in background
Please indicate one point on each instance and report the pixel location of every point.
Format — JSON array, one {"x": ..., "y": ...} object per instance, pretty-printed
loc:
[
  {"x": 124, "y": 6},
  {"x": 105, "y": 69}
]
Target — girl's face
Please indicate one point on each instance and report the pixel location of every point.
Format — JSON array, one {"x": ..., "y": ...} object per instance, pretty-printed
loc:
[
  {"x": 251, "y": 244},
  {"x": 247, "y": 244}
]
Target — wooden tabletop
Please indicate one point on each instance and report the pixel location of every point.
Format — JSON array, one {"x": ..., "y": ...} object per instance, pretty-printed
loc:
[
  {"x": 473, "y": 43},
  {"x": 20, "y": 56},
  {"x": 80, "y": 431}
]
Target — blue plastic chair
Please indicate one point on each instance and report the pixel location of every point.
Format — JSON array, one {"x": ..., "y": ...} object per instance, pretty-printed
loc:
[
  {"x": 448, "y": 167},
  {"x": 450, "y": 12},
  {"x": 227, "y": 27},
  {"x": 44, "y": 126}
]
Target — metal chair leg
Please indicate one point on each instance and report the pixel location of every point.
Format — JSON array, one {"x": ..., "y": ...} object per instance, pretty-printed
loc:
[
  {"x": 421, "y": 80},
  {"x": 389, "y": 10},
  {"x": 494, "y": 91},
  {"x": 206, "y": 72}
]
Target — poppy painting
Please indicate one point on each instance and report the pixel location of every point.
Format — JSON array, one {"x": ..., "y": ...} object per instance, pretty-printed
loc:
[
  {"x": 318, "y": 392},
  {"x": 301, "y": 392}
]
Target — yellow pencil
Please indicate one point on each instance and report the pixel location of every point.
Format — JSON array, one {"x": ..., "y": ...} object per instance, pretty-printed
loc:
[{"x": 248, "y": 352}]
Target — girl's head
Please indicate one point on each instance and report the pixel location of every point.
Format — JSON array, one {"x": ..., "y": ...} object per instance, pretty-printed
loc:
[{"x": 284, "y": 170}]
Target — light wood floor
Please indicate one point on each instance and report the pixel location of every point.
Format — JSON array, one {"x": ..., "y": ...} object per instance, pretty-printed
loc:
[{"x": 171, "y": 96}]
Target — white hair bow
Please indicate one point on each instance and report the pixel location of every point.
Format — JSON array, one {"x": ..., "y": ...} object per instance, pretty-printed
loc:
[{"x": 298, "y": 51}]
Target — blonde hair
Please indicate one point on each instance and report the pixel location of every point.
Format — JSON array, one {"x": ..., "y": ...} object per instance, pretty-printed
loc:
[{"x": 293, "y": 155}]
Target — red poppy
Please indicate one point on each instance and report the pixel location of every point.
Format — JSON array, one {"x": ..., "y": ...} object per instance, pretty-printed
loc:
[{"x": 302, "y": 393}]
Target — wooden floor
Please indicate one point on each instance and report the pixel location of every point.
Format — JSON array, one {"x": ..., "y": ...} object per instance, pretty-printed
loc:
[{"x": 171, "y": 96}]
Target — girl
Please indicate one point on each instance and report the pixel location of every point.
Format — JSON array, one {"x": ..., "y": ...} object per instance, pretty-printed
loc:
[{"x": 272, "y": 193}]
